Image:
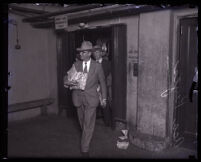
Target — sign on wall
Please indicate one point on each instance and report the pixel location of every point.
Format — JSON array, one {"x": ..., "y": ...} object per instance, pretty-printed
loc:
[{"x": 61, "y": 22}]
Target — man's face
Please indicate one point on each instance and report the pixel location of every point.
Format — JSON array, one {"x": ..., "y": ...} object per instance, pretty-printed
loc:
[
  {"x": 85, "y": 55},
  {"x": 97, "y": 54}
]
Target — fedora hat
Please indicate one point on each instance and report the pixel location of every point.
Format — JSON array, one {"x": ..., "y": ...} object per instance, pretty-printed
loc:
[
  {"x": 85, "y": 46},
  {"x": 97, "y": 47}
]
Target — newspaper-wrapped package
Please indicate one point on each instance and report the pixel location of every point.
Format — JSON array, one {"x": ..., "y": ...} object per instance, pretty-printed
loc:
[{"x": 75, "y": 79}]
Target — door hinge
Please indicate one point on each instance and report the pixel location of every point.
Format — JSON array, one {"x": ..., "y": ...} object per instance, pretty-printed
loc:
[{"x": 181, "y": 30}]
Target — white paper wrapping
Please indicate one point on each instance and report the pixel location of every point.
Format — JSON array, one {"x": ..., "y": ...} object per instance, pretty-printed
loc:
[{"x": 75, "y": 79}]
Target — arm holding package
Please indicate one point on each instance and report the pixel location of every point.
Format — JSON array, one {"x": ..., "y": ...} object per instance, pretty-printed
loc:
[
  {"x": 75, "y": 79},
  {"x": 69, "y": 80}
]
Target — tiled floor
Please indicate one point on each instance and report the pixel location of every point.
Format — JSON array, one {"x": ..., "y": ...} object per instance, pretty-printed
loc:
[{"x": 59, "y": 137}]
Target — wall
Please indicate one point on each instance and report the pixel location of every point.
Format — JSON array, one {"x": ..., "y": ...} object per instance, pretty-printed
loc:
[
  {"x": 153, "y": 72},
  {"x": 132, "y": 58},
  {"x": 33, "y": 67},
  {"x": 52, "y": 71},
  {"x": 154, "y": 49}
]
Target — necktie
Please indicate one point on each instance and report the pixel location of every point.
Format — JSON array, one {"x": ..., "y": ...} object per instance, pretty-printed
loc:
[{"x": 85, "y": 67}]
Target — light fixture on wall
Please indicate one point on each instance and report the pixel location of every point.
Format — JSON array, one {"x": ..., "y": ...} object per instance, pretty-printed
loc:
[{"x": 83, "y": 25}]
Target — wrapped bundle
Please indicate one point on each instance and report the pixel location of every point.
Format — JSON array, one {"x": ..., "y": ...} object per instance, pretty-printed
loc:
[{"x": 75, "y": 79}]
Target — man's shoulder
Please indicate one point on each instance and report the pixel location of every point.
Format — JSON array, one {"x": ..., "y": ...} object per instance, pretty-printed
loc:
[
  {"x": 106, "y": 64},
  {"x": 95, "y": 63}
]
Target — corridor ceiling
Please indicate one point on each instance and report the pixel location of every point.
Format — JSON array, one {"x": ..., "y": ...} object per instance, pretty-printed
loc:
[{"x": 41, "y": 15}]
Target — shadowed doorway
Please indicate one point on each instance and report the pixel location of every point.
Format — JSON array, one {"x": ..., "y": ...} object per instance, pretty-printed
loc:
[
  {"x": 115, "y": 38},
  {"x": 186, "y": 111}
]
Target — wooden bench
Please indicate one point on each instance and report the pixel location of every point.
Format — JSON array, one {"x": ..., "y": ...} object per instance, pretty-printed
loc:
[{"x": 31, "y": 105}]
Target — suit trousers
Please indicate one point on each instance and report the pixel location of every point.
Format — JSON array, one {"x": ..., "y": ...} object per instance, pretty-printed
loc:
[{"x": 87, "y": 119}]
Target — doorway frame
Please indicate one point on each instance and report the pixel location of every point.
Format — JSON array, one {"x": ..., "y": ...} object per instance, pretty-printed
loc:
[
  {"x": 113, "y": 44},
  {"x": 176, "y": 16}
]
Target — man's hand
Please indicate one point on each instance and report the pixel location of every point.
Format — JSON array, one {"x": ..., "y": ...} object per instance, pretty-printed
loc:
[
  {"x": 191, "y": 91},
  {"x": 104, "y": 103},
  {"x": 68, "y": 84}
]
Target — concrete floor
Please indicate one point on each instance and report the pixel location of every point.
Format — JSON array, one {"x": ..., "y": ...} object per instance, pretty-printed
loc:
[{"x": 55, "y": 136}]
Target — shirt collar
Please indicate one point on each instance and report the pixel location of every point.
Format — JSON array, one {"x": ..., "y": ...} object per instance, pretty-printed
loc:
[
  {"x": 87, "y": 61},
  {"x": 100, "y": 60}
]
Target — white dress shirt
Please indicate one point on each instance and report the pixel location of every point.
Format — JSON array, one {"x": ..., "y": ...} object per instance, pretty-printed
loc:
[
  {"x": 100, "y": 60},
  {"x": 88, "y": 64}
]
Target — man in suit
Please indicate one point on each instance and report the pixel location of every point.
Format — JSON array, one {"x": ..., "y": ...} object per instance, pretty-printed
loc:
[
  {"x": 87, "y": 100},
  {"x": 100, "y": 56}
]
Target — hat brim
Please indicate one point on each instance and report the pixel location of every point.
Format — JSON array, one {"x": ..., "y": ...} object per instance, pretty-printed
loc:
[
  {"x": 97, "y": 48},
  {"x": 81, "y": 49}
]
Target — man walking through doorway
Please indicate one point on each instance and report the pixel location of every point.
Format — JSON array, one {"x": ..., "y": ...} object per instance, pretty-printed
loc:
[
  {"x": 87, "y": 100},
  {"x": 100, "y": 56}
]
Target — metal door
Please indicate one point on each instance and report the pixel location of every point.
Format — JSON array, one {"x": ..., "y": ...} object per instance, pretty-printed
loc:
[{"x": 186, "y": 111}]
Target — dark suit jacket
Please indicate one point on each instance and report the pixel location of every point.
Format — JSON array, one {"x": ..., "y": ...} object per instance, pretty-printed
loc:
[
  {"x": 95, "y": 77},
  {"x": 106, "y": 67}
]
